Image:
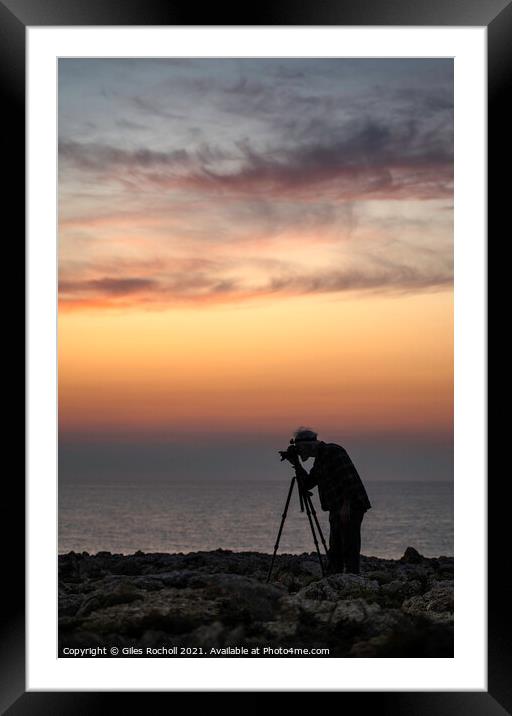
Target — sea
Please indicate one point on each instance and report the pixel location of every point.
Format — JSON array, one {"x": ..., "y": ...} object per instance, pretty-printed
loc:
[{"x": 189, "y": 516}]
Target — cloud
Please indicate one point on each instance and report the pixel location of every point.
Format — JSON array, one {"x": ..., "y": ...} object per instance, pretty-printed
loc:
[
  {"x": 223, "y": 181},
  {"x": 106, "y": 286},
  {"x": 369, "y": 159},
  {"x": 126, "y": 124},
  {"x": 396, "y": 279},
  {"x": 204, "y": 287},
  {"x": 154, "y": 108},
  {"x": 104, "y": 158}
]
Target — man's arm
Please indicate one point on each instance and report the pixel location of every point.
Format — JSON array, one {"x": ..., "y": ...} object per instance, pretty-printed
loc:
[
  {"x": 306, "y": 480},
  {"x": 309, "y": 480}
]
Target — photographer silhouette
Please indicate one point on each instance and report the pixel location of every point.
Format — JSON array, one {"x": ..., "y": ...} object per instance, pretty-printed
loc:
[{"x": 341, "y": 493}]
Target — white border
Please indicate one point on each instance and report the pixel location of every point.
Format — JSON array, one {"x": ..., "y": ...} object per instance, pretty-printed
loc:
[{"x": 467, "y": 670}]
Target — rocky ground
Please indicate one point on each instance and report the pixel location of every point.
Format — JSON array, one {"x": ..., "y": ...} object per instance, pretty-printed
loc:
[{"x": 220, "y": 599}]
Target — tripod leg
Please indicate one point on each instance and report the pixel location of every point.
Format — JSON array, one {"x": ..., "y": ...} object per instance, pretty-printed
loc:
[
  {"x": 281, "y": 528},
  {"x": 315, "y": 517},
  {"x": 308, "y": 512}
]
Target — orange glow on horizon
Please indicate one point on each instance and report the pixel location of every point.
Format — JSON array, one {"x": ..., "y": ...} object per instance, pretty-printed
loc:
[{"x": 369, "y": 363}]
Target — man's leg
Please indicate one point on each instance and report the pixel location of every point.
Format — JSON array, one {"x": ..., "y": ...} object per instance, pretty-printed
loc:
[
  {"x": 351, "y": 526},
  {"x": 335, "y": 561}
]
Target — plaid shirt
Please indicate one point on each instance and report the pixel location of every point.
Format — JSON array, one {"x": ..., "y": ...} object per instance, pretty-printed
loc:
[{"x": 337, "y": 478}]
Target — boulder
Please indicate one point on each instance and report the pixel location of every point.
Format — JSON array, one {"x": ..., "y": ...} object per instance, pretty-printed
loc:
[
  {"x": 411, "y": 556},
  {"x": 438, "y": 600}
]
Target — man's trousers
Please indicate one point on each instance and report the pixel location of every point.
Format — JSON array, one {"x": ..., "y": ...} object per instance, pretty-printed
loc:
[{"x": 345, "y": 538}]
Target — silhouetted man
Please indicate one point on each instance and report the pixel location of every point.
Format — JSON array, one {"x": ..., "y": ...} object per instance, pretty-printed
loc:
[{"x": 341, "y": 493}]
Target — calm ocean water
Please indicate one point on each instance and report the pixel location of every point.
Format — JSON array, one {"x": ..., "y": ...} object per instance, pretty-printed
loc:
[{"x": 243, "y": 516}]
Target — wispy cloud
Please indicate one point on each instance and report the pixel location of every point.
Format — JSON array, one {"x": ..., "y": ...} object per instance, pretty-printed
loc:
[
  {"x": 104, "y": 159},
  {"x": 209, "y": 181},
  {"x": 205, "y": 283},
  {"x": 370, "y": 160}
]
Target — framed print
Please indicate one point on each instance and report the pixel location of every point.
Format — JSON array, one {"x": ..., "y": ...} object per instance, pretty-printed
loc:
[{"x": 265, "y": 237}]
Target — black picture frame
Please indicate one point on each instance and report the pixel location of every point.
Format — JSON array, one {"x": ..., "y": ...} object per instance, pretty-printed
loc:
[{"x": 15, "y": 17}]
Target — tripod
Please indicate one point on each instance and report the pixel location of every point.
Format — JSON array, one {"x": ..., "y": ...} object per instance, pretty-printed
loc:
[{"x": 305, "y": 501}]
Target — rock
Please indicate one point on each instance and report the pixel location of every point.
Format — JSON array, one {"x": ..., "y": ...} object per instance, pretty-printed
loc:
[
  {"x": 354, "y": 610},
  {"x": 408, "y": 638},
  {"x": 402, "y": 588},
  {"x": 411, "y": 556},
  {"x": 244, "y": 598},
  {"x": 182, "y": 578},
  {"x": 121, "y": 594},
  {"x": 381, "y": 576},
  {"x": 338, "y": 586},
  {"x": 313, "y": 609},
  {"x": 221, "y": 599},
  {"x": 210, "y": 635},
  {"x": 437, "y": 600},
  {"x": 215, "y": 635},
  {"x": 311, "y": 567},
  {"x": 69, "y": 604},
  {"x": 369, "y": 648},
  {"x": 153, "y": 638},
  {"x": 279, "y": 630},
  {"x": 148, "y": 584}
]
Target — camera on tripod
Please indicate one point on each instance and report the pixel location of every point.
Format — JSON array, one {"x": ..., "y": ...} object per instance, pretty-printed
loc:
[{"x": 290, "y": 453}]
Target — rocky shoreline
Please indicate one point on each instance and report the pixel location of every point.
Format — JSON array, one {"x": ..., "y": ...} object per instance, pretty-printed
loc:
[{"x": 218, "y": 604}]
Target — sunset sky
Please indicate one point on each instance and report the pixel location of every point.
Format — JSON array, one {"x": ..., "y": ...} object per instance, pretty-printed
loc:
[{"x": 250, "y": 245}]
